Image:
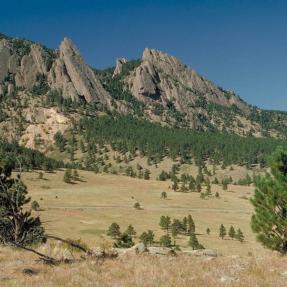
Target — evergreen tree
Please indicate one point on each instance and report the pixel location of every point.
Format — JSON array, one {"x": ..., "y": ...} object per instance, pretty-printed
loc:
[
  {"x": 163, "y": 195},
  {"x": 114, "y": 230},
  {"x": 17, "y": 226},
  {"x": 198, "y": 187},
  {"x": 68, "y": 176},
  {"x": 60, "y": 141},
  {"x": 208, "y": 187},
  {"x": 163, "y": 176},
  {"x": 193, "y": 242},
  {"x": 124, "y": 241},
  {"x": 147, "y": 238},
  {"x": 174, "y": 231},
  {"x": 75, "y": 176},
  {"x": 231, "y": 232},
  {"x": 239, "y": 235},
  {"x": 165, "y": 240},
  {"x": 146, "y": 174},
  {"x": 184, "y": 224},
  {"x": 137, "y": 205},
  {"x": 222, "y": 231},
  {"x": 190, "y": 225},
  {"x": 191, "y": 186},
  {"x": 165, "y": 222},
  {"x": 175, "y": 186},
  {"x": 130, "y": 230},
  {"x": 176, "y": 227},
  {"x": 270, "y": 201}
]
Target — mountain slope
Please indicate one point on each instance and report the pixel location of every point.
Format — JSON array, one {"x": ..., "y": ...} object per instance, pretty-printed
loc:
[{"x": 46, "y": 91}]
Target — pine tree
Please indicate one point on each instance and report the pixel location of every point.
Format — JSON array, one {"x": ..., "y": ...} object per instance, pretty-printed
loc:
[
  {"x": 174, "y": 231},
  {"x": 165, "y": 222},
  {"x": 147, "y": 238},
  {"x": 239, "y": 235},
  {"x": 208, "y": 187},
  {"x": 193, "y": 242},
  {"x": 124, "y": 241},
  {"x": 68, "y": 176},
  {"x": 163, "y": 195},
  {"x": 146, "y": 174},
  {"x": 222, "y": 231},
  {"x": 75, "y": 176},
  {"x": 137, "y": 205},
  {"x": 270, "y": 201},
  {"x": 176, "y": 227},
  {"x": 175, "y": 186},
  {"x": 231, "y": 232},
  {"x": 165, "y": 240},
  {"x": 184, "y": 224},
  {"x": 17, "y": 226},
  {"x": 191, "y": 186},
  {"x": 114, "y": 230},
  {"x": 130, "y": 230},
  {"x": 198, "y": 187},
  {"x": 190, "y": 225}
]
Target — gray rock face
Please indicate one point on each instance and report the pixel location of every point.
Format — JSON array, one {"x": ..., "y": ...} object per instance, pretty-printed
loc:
[
  {"x": 163, "y": 78},
  {"x": 119, "y": 66},
  {"x": 66, "y": 71},
  {"x": 83, "y": 81}
]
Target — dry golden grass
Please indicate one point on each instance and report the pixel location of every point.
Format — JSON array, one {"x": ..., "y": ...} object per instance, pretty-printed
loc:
[
  {"x": 145, "y": 271},
  {"x": 86, "y": 209}
]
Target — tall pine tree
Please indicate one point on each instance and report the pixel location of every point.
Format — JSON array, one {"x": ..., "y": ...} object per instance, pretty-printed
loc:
[{"x": 270, "y": 201}]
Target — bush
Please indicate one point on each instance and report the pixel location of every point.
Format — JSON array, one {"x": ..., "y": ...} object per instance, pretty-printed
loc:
[
  {"x": 137, "y": 205},
  {"x": 124, "y": 241}
]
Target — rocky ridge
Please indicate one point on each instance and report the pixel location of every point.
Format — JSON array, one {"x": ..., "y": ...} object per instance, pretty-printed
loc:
[
  {"x": 21, "y": 63},
  {"x": 158, "y": 88}
]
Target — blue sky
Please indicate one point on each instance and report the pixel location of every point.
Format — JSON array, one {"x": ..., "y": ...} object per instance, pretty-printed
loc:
[{"x": 239, "y": 44}]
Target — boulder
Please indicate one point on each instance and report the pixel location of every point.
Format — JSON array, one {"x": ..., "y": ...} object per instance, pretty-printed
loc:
[{"x": 202, "y": 252}]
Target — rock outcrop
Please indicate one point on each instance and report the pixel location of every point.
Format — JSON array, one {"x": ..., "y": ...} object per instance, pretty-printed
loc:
[
  {"x": 119, "y": 66},
  {"x": 164, "y": 79},
  {"x": 22, "y": 61},
  {"x": 71, "y": 74},
  {"x": 159, "y": 88}
]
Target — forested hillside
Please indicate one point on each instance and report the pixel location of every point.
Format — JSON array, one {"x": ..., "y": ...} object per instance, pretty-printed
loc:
[
  {"x": 154, "y": 106},
  {"x": 13, "y": 156},
  {"x": 127, "y": 134}
]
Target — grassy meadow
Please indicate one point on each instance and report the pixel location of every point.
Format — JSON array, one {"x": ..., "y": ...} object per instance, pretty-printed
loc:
[{"x": 85, "y": 209}]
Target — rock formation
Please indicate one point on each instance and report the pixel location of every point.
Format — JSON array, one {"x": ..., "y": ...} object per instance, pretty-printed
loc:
[
  {"x": 164, "y": 79},
  {"x": 64, "y": 70},
  {"x": 119, "y": 66}
]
